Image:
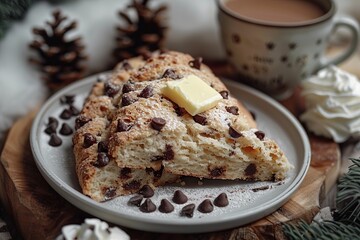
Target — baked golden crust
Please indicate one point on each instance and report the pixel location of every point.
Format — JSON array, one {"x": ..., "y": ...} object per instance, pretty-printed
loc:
[{"x": 221, "y": 143}]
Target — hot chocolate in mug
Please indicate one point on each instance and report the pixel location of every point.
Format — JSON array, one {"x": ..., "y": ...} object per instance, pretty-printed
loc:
[{"x": 274, "y": 44}]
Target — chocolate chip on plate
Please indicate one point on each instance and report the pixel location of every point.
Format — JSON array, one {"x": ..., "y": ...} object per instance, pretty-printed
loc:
[
  {"x": 146, "y": 92},
  {"x": 233, "y": 133},
  {"x": 89, "y": 140},
  {"x": 224, "y": 94},
  {"x": 65, "y": 129},
  {"x": 205, "y": 206},
  {"x": 188, "y": 210},
  {"x": 102, "y": 160},
  {"x": 233, "y": 110},
  {"x": 67, "y": 99},
  {"x": 136, "y": 200},
  {"x": 74, "y": 111},
  {"x": 146, "y": 191},
  {"x": 260, "y": 135},
  {"x": 166, "y": 206},
  {"x": 51, "y": 128},
  {"x": 179, "y": 197},
  {"x": 55, "y": 141},
  {"x": 221, "y": 200},
  {"x": 148, "y": 206},
  {"x": 158, "y": 123},
  {"x": 200, "y": 119},
  {"x": 54, "y": 121},
  {"x": 66, "y": 114},
  {"x": 196, "y": 63}
]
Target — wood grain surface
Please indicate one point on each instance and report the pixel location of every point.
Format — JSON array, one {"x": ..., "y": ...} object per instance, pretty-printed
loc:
[{"x": 36, "y": 211}]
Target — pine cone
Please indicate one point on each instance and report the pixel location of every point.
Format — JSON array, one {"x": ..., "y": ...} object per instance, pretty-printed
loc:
[
  {"x": 142, "y": 35},
  {"x": 59, "y": 58}
]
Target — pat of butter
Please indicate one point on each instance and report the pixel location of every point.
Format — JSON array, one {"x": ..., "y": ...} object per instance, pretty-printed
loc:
[{"x": 192, "y": 93}]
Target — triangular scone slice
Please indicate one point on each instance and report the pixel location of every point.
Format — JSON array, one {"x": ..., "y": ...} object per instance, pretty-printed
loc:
[
  {"x": 99, "y": 176},
  {"x": 220, "y": 143}
]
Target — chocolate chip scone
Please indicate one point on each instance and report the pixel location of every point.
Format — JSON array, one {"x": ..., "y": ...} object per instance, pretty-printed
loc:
[
  {"x": 145, "y": 130},
  {"x": 99, "y": 176}
]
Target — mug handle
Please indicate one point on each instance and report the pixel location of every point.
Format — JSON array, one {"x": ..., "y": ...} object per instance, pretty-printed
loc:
[{"x": 350, "y": 23}]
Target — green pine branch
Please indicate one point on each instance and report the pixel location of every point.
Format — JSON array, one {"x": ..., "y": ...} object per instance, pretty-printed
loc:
[
  {"x": 348, "y": 197},
  {"x": 347, "y": 221},
  {"x": 327, "y": 230},
  {"x": 11, "y": 10}
]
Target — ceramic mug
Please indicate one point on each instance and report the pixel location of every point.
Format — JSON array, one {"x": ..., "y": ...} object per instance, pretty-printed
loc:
[{"x": 275, "y": 56}]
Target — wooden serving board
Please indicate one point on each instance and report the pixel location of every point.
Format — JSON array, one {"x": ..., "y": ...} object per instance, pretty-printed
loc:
[{"x": 36, "y": 211}]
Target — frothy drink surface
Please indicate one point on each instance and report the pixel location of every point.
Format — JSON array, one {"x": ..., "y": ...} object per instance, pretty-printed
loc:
[{"x": 276, "y": 10}]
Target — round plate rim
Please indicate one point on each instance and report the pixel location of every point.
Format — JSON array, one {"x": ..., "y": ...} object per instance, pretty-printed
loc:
[{"x": 158, "y": 225}]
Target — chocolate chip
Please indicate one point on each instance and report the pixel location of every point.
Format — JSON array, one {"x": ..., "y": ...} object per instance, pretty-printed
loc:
[
  {"x": 103, "y": 146},
  {"x": 188, "y": 210},
  {"x": 148, "y": 206},
  {"x": 102, "y": 160},
  {"x": 136, "y": 200},
  {"x": 221, "y": 200},
  {"x": 110, "y": 193},
  {"x": 166, "y": 206},
  {"x": 146, "y": 191},
  {"x": 179, "y": 110},
  {"x": 127, "y": 87},
  {"x": 67, "y": 99},
  {"x": 170, "y": 73},
  {"x": 126, "y": 65},
  {"x": 146, "y": 92},
  {"x": 53, "y": 121},
  {"x": 89, "y": 140},
  {"x": 81, "y": 121},
  {"x": 158, "y": 173},
  {"x": 233, "y": 110},
  {"x": 169, "y": 152},
  {"x": 55, "y": 141},
  {"x": 158, "y": 123},
  {"x": 126, "y": 100},
  {"x": 124, "y": 173},
  {"x": 133, "y": 185},
  {"x": 110, "y": 89},
  {"x": 224, "y": 94},
  {"x": 200, "y": 119},
  {"x": 205, "y": 206},
  {"x": 66, "y": 114},
  {"x": 122, "y": 126},
  {"x": 74, "y": 111},
  {"x": 233, "y": 133},
  {"x": 51, "y": 128},
  {"x": 250, "y": 169},
  {"x": 217, "y": 172},
  {"x": 65, "y": 129},
  {"x": 260, "y": 135},
  {"x": 196, "y": 63},
  {"x": 179, "y": 197}
]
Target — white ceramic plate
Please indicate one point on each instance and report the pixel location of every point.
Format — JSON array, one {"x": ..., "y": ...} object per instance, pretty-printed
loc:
[{"x": 56, "y": 164}]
